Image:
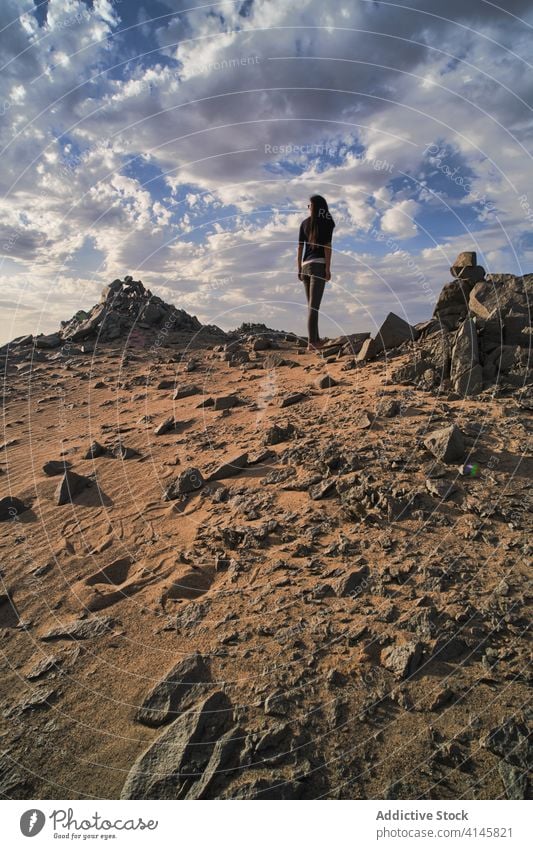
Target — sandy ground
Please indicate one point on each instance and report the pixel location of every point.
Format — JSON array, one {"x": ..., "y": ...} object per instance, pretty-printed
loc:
[{"x": 271, "y": 619}]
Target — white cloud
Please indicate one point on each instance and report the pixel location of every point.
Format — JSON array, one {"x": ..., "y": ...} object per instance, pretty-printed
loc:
[
  {"x": 78, "y": 106},
  {"x": 399, "y": 219}
]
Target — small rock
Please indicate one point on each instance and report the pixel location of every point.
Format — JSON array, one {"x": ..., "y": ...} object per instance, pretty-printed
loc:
[
  {"x": 353, "y": 583},
  {"x": 165, "y": 426},
  {"x": 190, "y": 480},
  {"x": 402, "y": 660},
  {"x": 388, "y": 407},
  {"x": 225, "y": 402},
  {"x": 70, "y": 485},
  {"x": 186, "y": 391},
  {"x": 122, "y": 452},
  {"x": 230, "y": 468},
  {"x": 56, "y": 467},
  {"x": 326, "y": 382},
  {"x": 446, "y": 444},
  {"x": 291, "y": 399},
  {"x": 321, "y": 490},
  {"x": 440, "y": 488},
  {"x": 94, "y": 450},
  {"x": 11, "y": 507},
  {"x": 279, "y": 433}
]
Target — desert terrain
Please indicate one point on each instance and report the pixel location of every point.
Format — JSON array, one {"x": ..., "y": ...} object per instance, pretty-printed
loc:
[{"x": 232, "y": 568}]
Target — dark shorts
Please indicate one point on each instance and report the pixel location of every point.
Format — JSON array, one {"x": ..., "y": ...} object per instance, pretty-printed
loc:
[{"x": 314, "y": 269}]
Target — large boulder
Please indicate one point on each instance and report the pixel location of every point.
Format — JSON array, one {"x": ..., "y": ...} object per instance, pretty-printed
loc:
[
  {"x": 465, "y": 267},
  {"x": 501, "y": 294},
  {"x": 151, "y": 314},
  {"x": 500, "y": 361},
  {"x": 466, "y": 372},
  {"x": 515, "y": 326},
  {"x": 393, "y": 332},
  {"x": 367, "y": 351},
  {"x": 436, "y": 350},
  {"x": 452, "y": 304}
]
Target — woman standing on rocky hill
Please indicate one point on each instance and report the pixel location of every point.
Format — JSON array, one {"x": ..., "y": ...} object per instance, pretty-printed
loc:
[{"x": 315, "y": 236}]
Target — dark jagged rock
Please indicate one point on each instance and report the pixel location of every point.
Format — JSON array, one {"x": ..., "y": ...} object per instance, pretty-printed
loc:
[
  {"x": 512, "y": 741},
  {"x": 452, "y": 304},
  {"x": 402, "y": 660},
  {"x": 501, "y": 294},
  {"x": 393, "y": 332},
  {"x": 225, "y": 402},
  {"x": 231, "y": 468},
  {"x": 292, "y": 398},
  {"x": 70, "y": 485},
  {"x": 279, "y": 433},
  {"x": 352, "y": 583},
  {"x": 446, "y": 444},
  {"x": 52, "y": 340},
  {"x": 326, "y": 382},
  {"x": 188, "y": 481},
  {"x": 94, "y": 450},
  {"x": 186, "y": 391}
]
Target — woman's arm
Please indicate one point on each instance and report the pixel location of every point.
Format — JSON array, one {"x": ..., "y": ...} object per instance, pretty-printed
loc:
[
  {"x": 300, "y": 254},
  {"x": 327, "y": 254}
]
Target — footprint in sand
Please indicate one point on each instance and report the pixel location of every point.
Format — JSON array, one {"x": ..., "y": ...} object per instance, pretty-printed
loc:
[
  {"x": 125, "y": 576},
  {"x": 189, "y": 585}
]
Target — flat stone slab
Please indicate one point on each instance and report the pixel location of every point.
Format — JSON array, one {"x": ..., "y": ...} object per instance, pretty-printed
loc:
[
  {"x": 293, "y": 398},
  {"x": 231, "y": 468},
  {"x": 163, "y": 704}
]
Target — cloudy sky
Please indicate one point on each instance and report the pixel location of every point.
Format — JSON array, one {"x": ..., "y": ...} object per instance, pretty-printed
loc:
[{"x": 179, "y": 142}]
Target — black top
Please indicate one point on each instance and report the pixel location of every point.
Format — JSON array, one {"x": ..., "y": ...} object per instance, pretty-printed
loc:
[{"x": 325, "y": 233}]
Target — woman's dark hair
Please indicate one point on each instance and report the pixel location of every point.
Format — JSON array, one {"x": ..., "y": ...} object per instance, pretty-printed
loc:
[{"x": 319, "y": 210}]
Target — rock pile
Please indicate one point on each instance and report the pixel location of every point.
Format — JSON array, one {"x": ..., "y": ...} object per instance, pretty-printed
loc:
[
  {"x": 480, "y": 333},
  {"x": 125, "y": 306}
]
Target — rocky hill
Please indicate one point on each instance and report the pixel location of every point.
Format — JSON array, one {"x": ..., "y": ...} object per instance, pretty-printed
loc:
[
  {"x": 235, "y": 569},
  {"x": 127, "y": 310}
]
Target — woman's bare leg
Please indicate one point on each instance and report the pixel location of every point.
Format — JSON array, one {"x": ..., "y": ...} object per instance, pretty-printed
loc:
[
  {"x": 307, "y": 282},
  {"x": 316, "y": 290}
]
